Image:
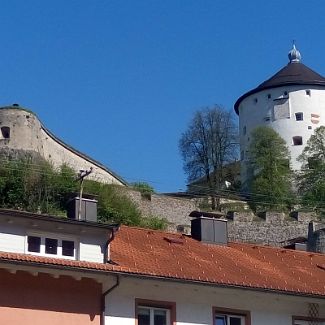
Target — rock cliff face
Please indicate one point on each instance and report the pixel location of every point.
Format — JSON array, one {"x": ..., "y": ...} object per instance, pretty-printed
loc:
[{"x": 23, "y": 135}]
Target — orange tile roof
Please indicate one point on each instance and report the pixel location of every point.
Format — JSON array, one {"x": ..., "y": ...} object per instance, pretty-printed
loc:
[
  {"x": 151, "y": 253},
  {"x": 180, "y": 257}
]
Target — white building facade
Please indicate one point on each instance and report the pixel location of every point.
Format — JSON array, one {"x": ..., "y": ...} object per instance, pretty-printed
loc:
[
  {"x": 291, "y": 102},
  {"x": 150, "y": 277},
  {"x": 154, "y": 302}
]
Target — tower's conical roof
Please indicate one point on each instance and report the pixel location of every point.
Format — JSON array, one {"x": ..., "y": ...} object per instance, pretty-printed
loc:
[{"x": 294, "y": 73}]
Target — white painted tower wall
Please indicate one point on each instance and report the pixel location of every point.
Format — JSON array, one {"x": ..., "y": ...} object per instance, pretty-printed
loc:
[{"x": 262, "y": 109}]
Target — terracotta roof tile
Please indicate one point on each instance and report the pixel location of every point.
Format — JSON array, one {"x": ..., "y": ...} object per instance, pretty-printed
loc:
[{"x": 147, "y": 253}]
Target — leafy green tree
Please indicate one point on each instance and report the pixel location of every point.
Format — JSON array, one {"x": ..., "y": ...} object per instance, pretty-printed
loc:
[
  {"x": 312, "y": 178},
  {"x": 270, "y": 169},
  {"x": 208, "y": 144},
  {"x": 115, "y": 206},
  {"x": 35, "y": 186}
]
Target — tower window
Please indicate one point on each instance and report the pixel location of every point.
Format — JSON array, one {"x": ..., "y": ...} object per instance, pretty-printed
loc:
[
  {"x": 5, "y": 132},
  {"x": 285, "y": 93},
  {"x": 269, "y": 96},
  {"x": 244, "y": 130},
  {"x": 309, "y": 127},
  {"x": 297, "y": 141},
  {"x": 308, "y": 92},
  {"x": 255, "y": 100},
  {"x": 299, "y": 116},
  {"x": 242, "y": 155}
]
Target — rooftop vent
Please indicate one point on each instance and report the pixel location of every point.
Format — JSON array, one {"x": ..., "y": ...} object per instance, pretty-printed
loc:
[
  {"x": 87, "y": 208},
  {"x": 209, "y": 228}
]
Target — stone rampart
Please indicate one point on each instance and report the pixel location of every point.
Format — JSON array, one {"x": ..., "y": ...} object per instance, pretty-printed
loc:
[
  {"x": 270, "y": 228},
  {"x": 21, "y": 131},
  {"x": 175, "y": 210}
]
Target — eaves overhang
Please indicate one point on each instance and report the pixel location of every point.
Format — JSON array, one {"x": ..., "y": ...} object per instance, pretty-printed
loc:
[{"x": 293, "y": 74}]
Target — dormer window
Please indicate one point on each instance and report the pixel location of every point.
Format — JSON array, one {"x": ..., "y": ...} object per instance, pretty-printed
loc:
[
  {"x": 34, "y": 244},
  {"x": 285, "y": 93},
  {"x": 308, "y": 92},
  {"x": 50, "y": 246}
]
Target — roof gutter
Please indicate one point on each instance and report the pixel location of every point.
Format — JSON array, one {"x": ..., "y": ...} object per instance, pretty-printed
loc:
[
  {"x": 152, "y": 277},
  {"x": 219, "y": 285}
]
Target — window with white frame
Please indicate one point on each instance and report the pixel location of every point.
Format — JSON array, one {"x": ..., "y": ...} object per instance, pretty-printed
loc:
[
  {"x": 51, "y": 245},
  {"x": 153, "y": 316},
  {"x": 224, "y": 319},
  {"x": 149, "y": 312},
  {"x": 231, "y": 317}
]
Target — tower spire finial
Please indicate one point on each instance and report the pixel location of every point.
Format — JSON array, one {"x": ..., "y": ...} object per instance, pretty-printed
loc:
[{"x": 294, "y": 55}]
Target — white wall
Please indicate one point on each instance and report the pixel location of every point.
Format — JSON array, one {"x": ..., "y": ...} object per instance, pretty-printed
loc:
[
  {"x": 91, "y": 249},
  {"x": 13, "y": 238},
  {"x": 252, "y": 114},
  {"x": 194, "y": 303}
]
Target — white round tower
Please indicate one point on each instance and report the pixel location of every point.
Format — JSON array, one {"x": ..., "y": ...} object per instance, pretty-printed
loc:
[{"x": 292, "y": 102}]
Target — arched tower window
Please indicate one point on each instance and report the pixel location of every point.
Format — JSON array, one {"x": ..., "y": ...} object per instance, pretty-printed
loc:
[{"x": 5, "y": 132}]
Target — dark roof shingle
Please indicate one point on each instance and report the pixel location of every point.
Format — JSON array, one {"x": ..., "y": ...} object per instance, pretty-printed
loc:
[{"x": 294, "y": 73}]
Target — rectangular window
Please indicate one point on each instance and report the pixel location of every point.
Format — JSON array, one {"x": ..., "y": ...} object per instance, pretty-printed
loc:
[
  {"x": 297, "y": 141},
  {"x": 299, "y": 116},
  {"x": 51, "y": 246},
  {"x": 67, "y": 248},
  {"x": 155, "y": 313},
  {"x": 34, "y": 244},
  {"x": 226, "y": 316}
]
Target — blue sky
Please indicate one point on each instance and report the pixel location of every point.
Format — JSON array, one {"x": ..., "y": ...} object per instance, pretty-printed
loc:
[{"x": 120, "y": 80}]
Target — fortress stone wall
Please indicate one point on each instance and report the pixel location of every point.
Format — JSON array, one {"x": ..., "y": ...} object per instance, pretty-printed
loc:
[
  {"x": 175, "y": 210},
  {"x": 22, "y": 132},
  {"x": 271, "y": 228}
]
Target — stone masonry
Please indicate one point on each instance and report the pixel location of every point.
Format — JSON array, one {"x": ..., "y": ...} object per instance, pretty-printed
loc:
[{"x": 22, "y": 131}]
